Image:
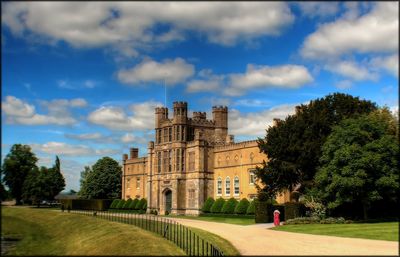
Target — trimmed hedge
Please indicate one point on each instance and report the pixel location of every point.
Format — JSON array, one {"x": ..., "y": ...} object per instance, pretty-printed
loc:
[
  {"x": 133, "y": 204},
  {"x": 294, "y": 210},
  {"x": 262, "y": 211},
  {"x": 127, "y": 204},
  {"x": 217, "y": 205},
  {"x": 229, "y": 206},
  {"x": 316, "y": 220},
  {"x": 239, "y": 216},
  {"x": 207, "y": 205},
  {"x": 121, "y": 204},
  {"x": 242, "y": 206},
  {"x": 114, "y": 204},
  {"x": 252, "y": 208},
  {"x": 86, "y": 204},
  {"x": 141, "y": 204}
]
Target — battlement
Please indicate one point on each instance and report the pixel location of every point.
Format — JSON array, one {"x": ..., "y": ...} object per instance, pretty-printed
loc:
[
  {"x": 199, "y": 115},
  {"x": 219, "y": 108},
  {"x": 180, "y": 104},
  {"x": 161, "y": 110},
  {"x": 234, "y": 146}
]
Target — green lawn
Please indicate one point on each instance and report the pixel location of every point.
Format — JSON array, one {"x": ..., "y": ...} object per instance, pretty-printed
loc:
[
  {"x": 236, "y": 221},
  {"x": 49, "y": 232},
  {"x": 380, "y": 231}
]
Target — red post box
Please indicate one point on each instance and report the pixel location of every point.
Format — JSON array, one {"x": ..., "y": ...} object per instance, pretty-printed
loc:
[{"x": 276, "y": 218}]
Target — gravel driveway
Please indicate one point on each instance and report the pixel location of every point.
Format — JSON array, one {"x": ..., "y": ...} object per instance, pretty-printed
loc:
[{"x": 259, "y": 240}]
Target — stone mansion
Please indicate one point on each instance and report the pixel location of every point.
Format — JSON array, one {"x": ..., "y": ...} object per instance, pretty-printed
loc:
[{"x": 191, "y": 159}]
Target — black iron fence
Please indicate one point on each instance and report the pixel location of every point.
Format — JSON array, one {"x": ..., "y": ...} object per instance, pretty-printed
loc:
[{"x": 182, "y": 236}]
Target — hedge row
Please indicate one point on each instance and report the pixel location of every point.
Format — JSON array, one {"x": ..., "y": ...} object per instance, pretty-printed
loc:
[
  {"x": 230, "y": 206},
  {"x": 136, "y": 204},
  {"x": 86, "y": 204}
]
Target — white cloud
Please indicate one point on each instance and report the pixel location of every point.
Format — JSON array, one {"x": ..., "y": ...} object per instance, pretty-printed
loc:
[
  {"x": 286, "y": 76},
  {"x": 318, "y": 9},
  {"x": 19, "y": 112},
  {"x": 389, "y": 63},
  {"x": 92, "y": 24},
  {"x": 352, "y": 70},
  {"x": 115, "y": 118},
  {"x": 170, "y": 71},
  {"x": 256, "y": 122},
  {"x": 87, "y": 136},
  {"x": 376, "y": 31},
  {"x": 209, "y": 82},
  {"x": 64, "y": 149}
]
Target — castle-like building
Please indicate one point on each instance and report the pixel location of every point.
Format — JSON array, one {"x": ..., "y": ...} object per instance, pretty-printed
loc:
[{"x": 191, "y": 159}]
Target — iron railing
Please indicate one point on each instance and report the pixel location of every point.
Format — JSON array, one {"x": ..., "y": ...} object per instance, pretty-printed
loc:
[{"x": 182, "y": 236}]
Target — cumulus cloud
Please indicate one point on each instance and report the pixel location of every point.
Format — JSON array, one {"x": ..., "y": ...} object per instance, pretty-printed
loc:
[
  {"x": 374, "y": 32},
  {"x": 170, "y": 71},
  {"x": 20, "y": 112},
  {"x": 344, "y": 84},
  {"x": 389, "y": 63},
  {"x": 64, "y": 149},
  {"x": 115, "y": 118},
  {"x": 87, "y": 136},
  {"x": 257, "y": 122},
  {"x": 286, "y": 76},
  {"x": 92, "y": 24},
  {"x": 208, "y": 82},
  {"x": 352, "y": 70}
]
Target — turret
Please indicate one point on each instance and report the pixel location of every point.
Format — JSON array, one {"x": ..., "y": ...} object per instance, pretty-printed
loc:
[
  {"x": 180, "y": 111},
  {"x": 134, "y": 152},
  {"x": 220, "y": 117},
  {"x": 161, "y": 114},
  {"x": 124, "y": 157}
]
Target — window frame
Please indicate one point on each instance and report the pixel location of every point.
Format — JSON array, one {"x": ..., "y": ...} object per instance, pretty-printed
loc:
[
  {"x": 219, "y": 193},
  {"x": 234, "y": 186},
  {"x": 227, "y": 188}
]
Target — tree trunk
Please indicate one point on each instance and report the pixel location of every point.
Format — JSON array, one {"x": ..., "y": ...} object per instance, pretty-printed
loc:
[{"x": 365, "y": 209}]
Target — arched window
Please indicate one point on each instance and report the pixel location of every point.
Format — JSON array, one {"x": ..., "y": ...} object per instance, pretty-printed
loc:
[
  {"x": 236, "y": 185},
  {"x": 252, "y": 176},
  {"x": 219, "y": 186},
  {"x": 227, "y": 186}
]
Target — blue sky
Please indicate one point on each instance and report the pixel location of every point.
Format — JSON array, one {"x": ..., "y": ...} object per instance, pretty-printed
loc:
[{"x": 81, "y": 80}]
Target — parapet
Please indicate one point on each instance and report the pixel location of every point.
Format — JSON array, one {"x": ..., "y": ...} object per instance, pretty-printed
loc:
[
  {"x": 220, "y": 108},
  {"x": 199, "y": 115},
  {"x": 161, "y": 110},
  {"x": 180, "y": 104}
]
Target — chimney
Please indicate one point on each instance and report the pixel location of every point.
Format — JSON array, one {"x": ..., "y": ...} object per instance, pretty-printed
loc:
[{"x": 134, "y": 152}]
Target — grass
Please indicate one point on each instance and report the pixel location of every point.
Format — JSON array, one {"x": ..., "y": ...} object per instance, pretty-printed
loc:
[
  {"x": 38, "y": 229},
  {"x": 46, "y": 232},
  {"x": 230, "y": 220},
  {"x": 379, "y": 231}
]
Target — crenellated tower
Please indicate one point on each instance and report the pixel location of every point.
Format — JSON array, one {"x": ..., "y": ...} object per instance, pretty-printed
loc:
[{"x": 220, "y": 117}]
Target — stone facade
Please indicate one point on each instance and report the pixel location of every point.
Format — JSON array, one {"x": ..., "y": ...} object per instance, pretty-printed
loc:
[{"x": 191, "y": 159}]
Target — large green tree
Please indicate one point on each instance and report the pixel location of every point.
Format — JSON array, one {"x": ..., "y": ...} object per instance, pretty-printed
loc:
[
  {"x": 102, "y": 181},
  {"x": 293, "y": 145},
  {"x": 359, "y": 162},
  {"x": 16, "y": 166},
  {"x": 57, "y": 181}
]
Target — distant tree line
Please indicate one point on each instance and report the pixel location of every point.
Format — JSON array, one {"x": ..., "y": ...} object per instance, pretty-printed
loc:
[{"x": 26, "y": 181}]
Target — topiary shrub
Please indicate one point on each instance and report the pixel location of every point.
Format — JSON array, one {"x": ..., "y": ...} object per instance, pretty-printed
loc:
[
  {"x": 262, "y": 209},
  {"x": 294, "y": 210},
  {"x": 242, "y": 206},
  {"x": 133, "y": 204},
  {"x": 140, "y": 204},
  {"x": 252, "y": 208},
  {"x": 114, "y": 204},
  {"x": 229, "y": 206},
  {"x": 217, "y": 205},
  {"x": 144, "y": 206},
  {"x": 120, "y": 204},
  {"x": 208, "y": 204},
  {"x": 127, "y": 204}
]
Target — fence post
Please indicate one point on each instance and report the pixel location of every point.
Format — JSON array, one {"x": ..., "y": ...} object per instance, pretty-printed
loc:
[
  {"x": 198, "y": 246},
  {"x": 202, "y": 247}
]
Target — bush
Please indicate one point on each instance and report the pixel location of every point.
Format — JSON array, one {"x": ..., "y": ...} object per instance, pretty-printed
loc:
[
  {"x": 229, "y": 206},
  {"x": 217, "y": 205},
  {"x": 86, "y": 204},
  {"x": 114, "y": 203},
  {"x": 127, "y": 204},
  {"x": 121, "y": 204},
  {"x": 252, "y": 208},
  {"x": 262, "y": 211},
  {"x": 294, "y": 210},
  {"x": 141, "y": 204},
  {"x": 316, "y": 220},
  {"x": 339, "y": 220},
  {"x": 133, "y": 204},
  {"x": 242, "y": 206},
  {"x": 208, "y": 204}
]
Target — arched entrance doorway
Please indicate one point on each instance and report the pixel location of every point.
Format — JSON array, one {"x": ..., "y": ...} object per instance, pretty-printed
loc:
[{"x": 168, "y": 201}]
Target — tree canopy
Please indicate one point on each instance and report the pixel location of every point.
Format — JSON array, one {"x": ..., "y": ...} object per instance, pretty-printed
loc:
[
  {"x": 359, "y": 162},
  {"x": 18, "y": 163},
  {"x": 102, "y": 181},
  {"x": 293, "y": 146}
]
